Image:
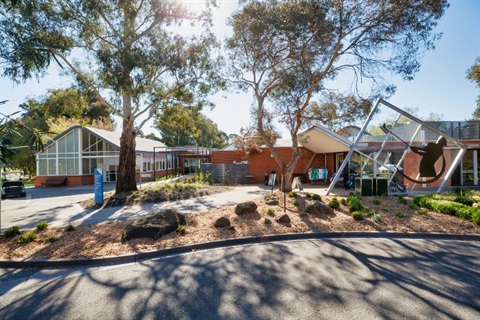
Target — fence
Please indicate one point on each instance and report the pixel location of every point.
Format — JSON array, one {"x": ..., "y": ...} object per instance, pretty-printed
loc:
[{"x": 228, "y": 173}]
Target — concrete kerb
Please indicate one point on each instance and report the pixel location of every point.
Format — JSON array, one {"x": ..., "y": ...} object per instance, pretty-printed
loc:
[{"x": 133, "y": 258}]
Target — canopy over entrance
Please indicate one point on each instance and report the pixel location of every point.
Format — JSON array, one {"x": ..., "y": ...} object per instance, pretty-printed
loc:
[{"x": 319, "y": 139}]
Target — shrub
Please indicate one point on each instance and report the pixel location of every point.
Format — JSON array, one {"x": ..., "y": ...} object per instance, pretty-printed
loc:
[
  {"x": 357, "y": 215},
  {"x": 316, "y": 197},
  {"x": 413, "y": 206},
  {"x": 370, "y": 212},
  {"x": 402, "y": 200},
  {"x": 476, "y": 217},
  {"x": 354, "y": 203},
  {"x": 464, "y": 200},
  {"x": 334, "y": 204},
  {"x": 295, "y": 203},
  {"x": 292, "y": 194},
  {"x": 308, "y": 195},
  {"x": 181, "y": 229},
  {"x": 343, "y": 202},
  {"x": 42, "y": 225},
  {"x": 422, "y": 212},
  {"x": 376, "y": 201},
  {"x": 11, "y": 232},
  {"x": 377, "y": 217},
  {"x": 27, "y": 237},
  {"x": 268, "y": 221},
  {"x": 399, "y": 214},
  {"x": 271, "y": 211},
  {"x": 69, "y": 228},
  {"x": 50, "y": 239},
  {"x": 353, "y": 197}
]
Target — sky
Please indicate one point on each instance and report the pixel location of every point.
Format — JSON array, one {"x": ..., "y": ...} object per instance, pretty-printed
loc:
[{"x": 441, "y": 86}]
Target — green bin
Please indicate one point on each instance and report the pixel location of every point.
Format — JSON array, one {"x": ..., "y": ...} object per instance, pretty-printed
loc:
[
  {"x": 381, "y": 187},
  {"x": 364, "y": 186}
]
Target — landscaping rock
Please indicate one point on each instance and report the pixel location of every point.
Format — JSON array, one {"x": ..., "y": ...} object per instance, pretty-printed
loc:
[
  {"x": 222, "y": 223},
  {"x": 318, "y": 207},
  {"x": 154, "y": 226},
  {"x": 272, "y": 201},
  {"x": 284, "y": 219},
  {"x": 245, "y": 207}
]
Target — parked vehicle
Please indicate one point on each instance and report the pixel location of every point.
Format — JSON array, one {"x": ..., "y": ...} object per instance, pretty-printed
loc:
[{"x": 13, "y": 189}]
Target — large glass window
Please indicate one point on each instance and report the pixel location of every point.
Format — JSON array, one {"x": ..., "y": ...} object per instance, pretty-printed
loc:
[{"x": 467, "y": 168}]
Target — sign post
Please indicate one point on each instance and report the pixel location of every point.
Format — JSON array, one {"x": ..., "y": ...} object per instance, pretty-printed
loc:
[{"x": 98, "y": 186}]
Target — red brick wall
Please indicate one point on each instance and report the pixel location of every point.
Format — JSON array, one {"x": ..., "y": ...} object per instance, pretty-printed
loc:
[
  {"x": 228, "y": 156},
  {"x": 263, "y": 162},
  {"x": 411, "y": 166},
  {"x": 72, "y": 181}
]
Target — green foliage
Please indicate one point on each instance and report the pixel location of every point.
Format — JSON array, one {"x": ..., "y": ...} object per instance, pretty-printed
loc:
[
  {"x": 271, "y": 211},
  {"x": 399, "y": 214},
  {"x": 308, "y": 195},
  {"x": 422, "y": 212},
  {"x": 292, "y": 194},
  {"x": 376, "y": 201},
  {"x": 11, "y": 232},
  {"x": 50, "y": 239},
  {"x": 464, "y": 200},
  {"x": 268, "y": 221},
  {"x": 402, "y": 200},
  {"x": 182, "y": 125},
  {"x": 357, "y": 215},
  {"x": 354, "y": 203},
  {"x": 413, "y": 206},
  {"x": 334, "y": 203},
  {"x": 377, "y": 217},
  {"x": 439, "y": 204},
  {"x": 295, "y": 203},
  {"x": 69, "y": 228},
  {"x": 42, "y": 225},
  {"x": 476, "y": 217},
  {"x": 316, "y": 197},
  {"x": 343, "y": 202},
  {"x": 27, "y": 237},
  {"x": 181, "y": 229},
  {"x": 474, "y": 75}
]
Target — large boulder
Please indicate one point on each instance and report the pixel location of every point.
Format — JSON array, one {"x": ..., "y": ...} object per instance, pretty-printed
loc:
[
  {"x": 222, "y": 223},
  {"x": 154, "y": 226},
  {"x": 318, "y": 207},
  {"x": 245, "y": 207},
  {"x": 284, "y": 219}
]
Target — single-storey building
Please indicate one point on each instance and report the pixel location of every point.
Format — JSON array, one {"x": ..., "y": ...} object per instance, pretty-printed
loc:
[
  {"x": 323, "y": 152},
  {"x": 76, "y": 152}
]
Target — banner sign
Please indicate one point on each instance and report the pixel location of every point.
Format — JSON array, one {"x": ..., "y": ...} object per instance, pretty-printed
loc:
[{"x": 98, "y": 186}]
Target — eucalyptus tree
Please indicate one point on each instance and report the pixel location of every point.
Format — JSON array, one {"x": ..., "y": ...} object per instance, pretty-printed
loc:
[
  {"x": 474, "y": 75},
  {"x": 187, "y": 126},
  {"x": 288, "y": 53},
  {"x": 137, "y": 56}
]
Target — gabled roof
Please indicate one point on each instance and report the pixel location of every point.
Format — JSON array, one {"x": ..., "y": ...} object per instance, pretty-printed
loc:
[
  {"x": 323, "y": 140},
  {"x": 113, "y": 138}
]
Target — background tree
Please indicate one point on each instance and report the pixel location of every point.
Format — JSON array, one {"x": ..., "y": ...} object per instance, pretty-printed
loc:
[
  {"x": 287, "y": 52},
  {"x": 474, "y": 75},
  {"x": 181, "y": 125},
  {"x": 53, "y": 114},
  {"x": 137, "y": 61}
]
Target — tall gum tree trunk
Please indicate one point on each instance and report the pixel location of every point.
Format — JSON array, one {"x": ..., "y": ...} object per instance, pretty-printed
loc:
[{"x": 126, "y": 168}]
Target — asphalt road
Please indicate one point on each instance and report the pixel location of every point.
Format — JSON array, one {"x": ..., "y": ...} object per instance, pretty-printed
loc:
[{"x": 308, "y": 279}]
